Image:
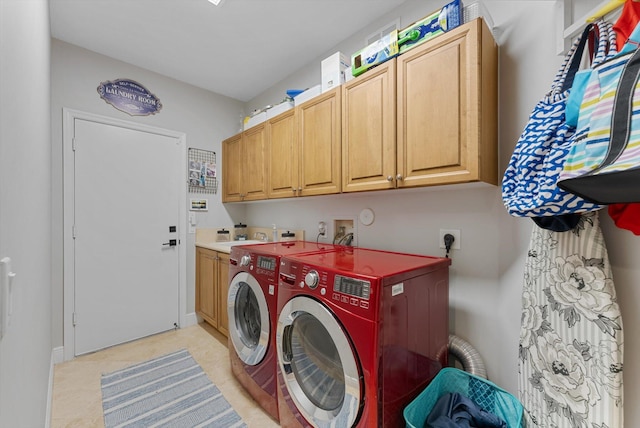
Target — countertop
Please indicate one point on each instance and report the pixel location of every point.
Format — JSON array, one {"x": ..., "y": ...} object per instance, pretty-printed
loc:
[
  {"x": 207, "y": 238},
  {"x": 225, "y": 247}
]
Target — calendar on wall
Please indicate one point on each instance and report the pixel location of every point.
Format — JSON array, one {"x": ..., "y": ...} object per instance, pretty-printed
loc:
[{"x": 202, "y": 174}]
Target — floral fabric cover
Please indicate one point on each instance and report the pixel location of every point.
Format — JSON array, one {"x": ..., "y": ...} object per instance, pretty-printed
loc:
[{"x": 571, "y": 340}]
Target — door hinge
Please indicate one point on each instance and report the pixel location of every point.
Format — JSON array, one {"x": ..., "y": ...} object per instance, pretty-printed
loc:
[
  {"x": 73, "y": 144},
  {"x": 75, "y": 319},
  {"x": 73, "y": 231}
]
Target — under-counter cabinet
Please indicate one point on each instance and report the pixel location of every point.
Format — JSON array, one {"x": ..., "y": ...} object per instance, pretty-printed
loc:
[
  {"x": 305, "y": 144},
  {"x": 244, "y": 166},
  {"x": 429, "y": 118},
  {"x": 212, "y": 282}
]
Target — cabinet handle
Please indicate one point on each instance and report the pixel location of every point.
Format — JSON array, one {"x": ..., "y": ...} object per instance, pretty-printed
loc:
[
  {"x": 389, "y": 178},
  {"x": 399, "y": 177}
]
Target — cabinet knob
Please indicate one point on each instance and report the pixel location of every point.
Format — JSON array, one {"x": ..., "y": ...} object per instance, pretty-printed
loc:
[
  {"x": 299, "y": 189},
  {"x": 399, "y": 177},
  {"x": 389, "y": 178}
]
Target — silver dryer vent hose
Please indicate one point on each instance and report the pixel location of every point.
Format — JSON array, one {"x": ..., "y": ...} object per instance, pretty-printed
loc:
[{"x": 467, "y": 356}]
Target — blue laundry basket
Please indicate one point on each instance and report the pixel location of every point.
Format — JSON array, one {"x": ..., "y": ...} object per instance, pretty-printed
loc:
[{"x": 484, "y": 393}]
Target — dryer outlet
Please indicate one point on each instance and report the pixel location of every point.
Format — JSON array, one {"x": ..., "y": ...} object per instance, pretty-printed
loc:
[{"x": 344, "y": 231}]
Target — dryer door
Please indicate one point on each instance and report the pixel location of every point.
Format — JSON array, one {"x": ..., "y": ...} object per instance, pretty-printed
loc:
[
  {"x": 318, "y": 363},
  {"x": 248, "y": 318}
]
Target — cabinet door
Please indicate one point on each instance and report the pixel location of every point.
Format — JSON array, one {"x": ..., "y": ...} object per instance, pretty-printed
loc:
[
  {"x": 223, "y": 291},
  {"x": 443, "y": 87},
  {"x": 254, "y": 164},
  {"x": 232, "y": 169},
  {"x": 206, "y": 278},
  {"x": 319, "y": 136},
  {"x": 369, "y": 130},
  {"x": 283, "y": 155}
]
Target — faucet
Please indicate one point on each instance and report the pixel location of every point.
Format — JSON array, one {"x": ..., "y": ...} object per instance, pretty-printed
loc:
[{"x": 261, "y": 236}]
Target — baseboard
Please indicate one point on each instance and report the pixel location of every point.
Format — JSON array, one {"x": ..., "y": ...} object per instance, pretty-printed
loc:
[
  {"x": 55, "y": 353},
  {"x": 190, "y": 319},
  {"x": 58, "y": 355}
]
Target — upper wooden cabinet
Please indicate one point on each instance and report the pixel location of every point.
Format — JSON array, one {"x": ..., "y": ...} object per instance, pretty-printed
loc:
[
  {"x": 319, "y": 144},
  {"x": 244, "y": 166},
  {"x": 429, "y": 117},
  {"x": 282, "y": 140},
  {"x": 369, "y": 130},
  {"x": 448, "y": 109},
  {"x": 304, "y": 148}
]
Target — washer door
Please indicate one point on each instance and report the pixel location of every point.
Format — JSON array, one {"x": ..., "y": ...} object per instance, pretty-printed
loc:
[
  {"x": 318, "y": 364},
  {"x": 248, "y": 318}
]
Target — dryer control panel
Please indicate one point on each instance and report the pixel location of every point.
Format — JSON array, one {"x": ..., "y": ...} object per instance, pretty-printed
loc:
[{"x": 351, "y": 293}]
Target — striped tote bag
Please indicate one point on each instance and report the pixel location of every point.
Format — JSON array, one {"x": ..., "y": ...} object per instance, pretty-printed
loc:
[{"x": 603, "y": 164}]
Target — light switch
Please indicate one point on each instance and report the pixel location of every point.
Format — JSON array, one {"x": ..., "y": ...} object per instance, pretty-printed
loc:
[{"x": 192, "y": 222}]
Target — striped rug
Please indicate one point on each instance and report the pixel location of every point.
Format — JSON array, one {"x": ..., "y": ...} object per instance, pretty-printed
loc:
[{"x": 168, "y": 391}]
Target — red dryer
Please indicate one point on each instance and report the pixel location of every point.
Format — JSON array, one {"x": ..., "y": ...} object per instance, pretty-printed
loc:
[
  {"x": 251, "y": 307},
  {"x": 360, "y": 334}
]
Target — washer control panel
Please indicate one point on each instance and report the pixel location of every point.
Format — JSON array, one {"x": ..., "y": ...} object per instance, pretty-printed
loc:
[{"x": 343, "y": 290}]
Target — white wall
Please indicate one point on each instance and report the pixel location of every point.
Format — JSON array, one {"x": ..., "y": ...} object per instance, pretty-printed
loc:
[
  {"x": 206, "y": 118},
  {"x": 25, "y": 209},
  {"x": 486, "y": 274}
]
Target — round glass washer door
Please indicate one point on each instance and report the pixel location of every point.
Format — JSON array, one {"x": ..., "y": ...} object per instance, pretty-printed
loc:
[
  {"x": 318, "y": 364},
  {"x": 248, "y": 318}
]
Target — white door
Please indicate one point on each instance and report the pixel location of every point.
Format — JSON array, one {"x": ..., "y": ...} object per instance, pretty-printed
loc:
[{"x": 126, "y": 199}]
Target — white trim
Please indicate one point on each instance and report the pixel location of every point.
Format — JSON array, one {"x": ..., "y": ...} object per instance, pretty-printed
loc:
[
  {"x": 47, "y": 414},
  {"x": 58, "y": 355},
  {"x": 189, "y": 320},
  {"x": 568, "y": 27},
  {"x": 68, "y": 118}
]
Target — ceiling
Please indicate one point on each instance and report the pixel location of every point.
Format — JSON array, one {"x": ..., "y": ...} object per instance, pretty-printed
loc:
[{"x": 238, "y": 49}]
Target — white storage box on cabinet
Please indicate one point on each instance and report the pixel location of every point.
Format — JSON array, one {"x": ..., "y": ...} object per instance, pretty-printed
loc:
[
  {"x": 333, "y": 70},
  {"x": 308, "y": 94},
  {"x": 280, "y": 108},
  {"x": 255, "y": 120}
]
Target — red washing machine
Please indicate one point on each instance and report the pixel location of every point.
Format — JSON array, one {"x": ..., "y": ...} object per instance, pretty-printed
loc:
[
  {"x": 251, "y": 307},
  {"x": 360, "y": 334}
]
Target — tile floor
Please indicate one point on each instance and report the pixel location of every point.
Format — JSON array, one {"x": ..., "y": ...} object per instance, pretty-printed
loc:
[{"x": 77, "y": 398}]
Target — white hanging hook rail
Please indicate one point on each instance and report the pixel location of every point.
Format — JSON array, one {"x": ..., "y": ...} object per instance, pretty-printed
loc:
[{"x": 568, "y": 27}]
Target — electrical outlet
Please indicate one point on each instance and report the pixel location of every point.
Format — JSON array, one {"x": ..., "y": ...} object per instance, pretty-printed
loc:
[
  {"x": 456, "y": 236},
  {"x": 322, "y": 228}
]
